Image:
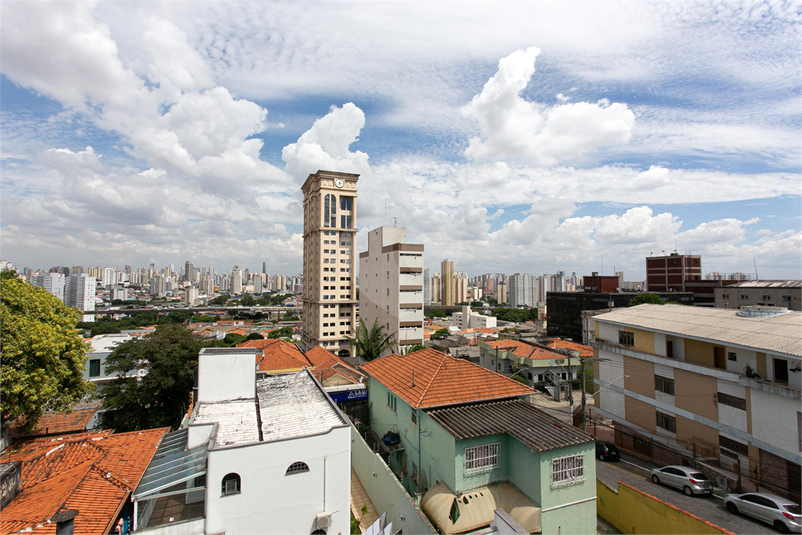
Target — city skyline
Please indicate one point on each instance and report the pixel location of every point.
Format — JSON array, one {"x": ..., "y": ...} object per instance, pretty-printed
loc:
[{"x": 508, "y": 138}]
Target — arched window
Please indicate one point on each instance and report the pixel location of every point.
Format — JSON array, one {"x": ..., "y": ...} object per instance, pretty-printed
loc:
[
  {"x": 330, "y": 210},
  {"x": 297, "y": 468},
  {"x": 231, "y": 484}
]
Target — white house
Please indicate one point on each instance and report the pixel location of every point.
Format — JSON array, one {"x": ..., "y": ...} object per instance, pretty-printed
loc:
[{"x": 261, "y": 454}]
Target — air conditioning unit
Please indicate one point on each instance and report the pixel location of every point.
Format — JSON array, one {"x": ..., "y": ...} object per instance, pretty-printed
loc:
[{"x": 323, "y": 520}]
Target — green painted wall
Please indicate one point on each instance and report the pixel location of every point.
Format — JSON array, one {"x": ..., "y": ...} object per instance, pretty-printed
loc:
[
  {"x": 579, "y": 518},
  {"x": 463, "y": 482}
]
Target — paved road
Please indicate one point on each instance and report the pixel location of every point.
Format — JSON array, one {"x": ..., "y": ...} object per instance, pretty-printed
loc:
[{"x": 635, "y": 472}]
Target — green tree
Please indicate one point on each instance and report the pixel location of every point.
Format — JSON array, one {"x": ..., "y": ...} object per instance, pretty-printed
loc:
[
  {"x": 161, "y": 396},
  {"x": 371, "y": 343},
  {"x": 233, "y": 339},
  {"x": 43, "y": 356},
  {"x": 246, "y": 300},
  {"x": 220, "y": 300},
  {"x": 413, "y": 348},
  {"x": 255, "y": 336},
  {"x": 440, "y": 334},
  {"x": 437, "y": 313},
  {"x": 283, "y": 332},
  {"x": 646, "y": 298}
]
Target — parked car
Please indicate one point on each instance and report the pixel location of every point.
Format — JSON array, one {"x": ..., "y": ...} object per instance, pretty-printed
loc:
[
  {"x": 782, "y": 513},
  {"x": 686, "y": 479},
  {"x": 606, "y": 451}
]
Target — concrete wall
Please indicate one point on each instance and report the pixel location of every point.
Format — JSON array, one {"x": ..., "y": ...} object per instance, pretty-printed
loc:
[
  {"x": 384, "y": 490},
  {"x": 272, "y": 501},
  {"x": 632, "y": 511},
  {"x": 226, "y": 375}
]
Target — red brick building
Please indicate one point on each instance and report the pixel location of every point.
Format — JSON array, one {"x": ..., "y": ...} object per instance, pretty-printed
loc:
[{"x": 671, "y": 273}]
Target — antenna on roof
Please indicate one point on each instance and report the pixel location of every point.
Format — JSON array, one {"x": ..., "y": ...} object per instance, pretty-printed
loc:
[
  {"x": 395, "y": 221},
  {"x": 755, "y": 261}
]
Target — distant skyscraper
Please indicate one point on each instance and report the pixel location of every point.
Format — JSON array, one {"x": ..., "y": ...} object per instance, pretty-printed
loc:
[
  {"x": 264, "y": 267},
  {"x": 329, "y": 289},
  {"x": 79, "y": 292},
  {"x": 427, "y": 291},
  {"x": 236, "y": 280},
  {"x": 447, "y": 282},
  {"x": 53, "y": 283},
  {"x": 189, "y": 272},
  {"x": 521, "y": 290}
]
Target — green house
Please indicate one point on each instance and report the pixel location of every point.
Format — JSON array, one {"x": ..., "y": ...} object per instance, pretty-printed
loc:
[{"x": 471, "y": 443}]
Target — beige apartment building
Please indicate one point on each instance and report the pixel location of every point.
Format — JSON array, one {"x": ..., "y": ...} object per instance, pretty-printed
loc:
[
  {"x": 447, "y": 282},
  {"x": 718, "y": 386},
  {"x": 391, "y": 286},
  {"x": 329, "y": 291}
]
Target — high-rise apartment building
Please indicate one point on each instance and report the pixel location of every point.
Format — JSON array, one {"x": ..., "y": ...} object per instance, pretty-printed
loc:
[
  {"x": 391, "y": 285},
  {"x": 670, "y": 273},
  {"x": 236, "y": 281},
  {"x": 79, "y": 292},
  {"x": 329, "y": 289},
  {"x": 53, "y": 283},
  {"x": 427, "y": 290},
  {"x": 522, "y": 292},
  {"x": 447, "y": 282},
  {"x": 158, "y": 286}
]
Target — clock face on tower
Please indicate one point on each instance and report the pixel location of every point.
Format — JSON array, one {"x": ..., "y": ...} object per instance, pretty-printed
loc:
[{"x": 339, "y": 183}]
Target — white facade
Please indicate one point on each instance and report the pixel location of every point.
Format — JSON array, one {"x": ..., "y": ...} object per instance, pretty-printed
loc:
[
  {"x": 391, "y": 285},
  {"x": 79, "y": 292},
  {"x": 467, "y": 319},
  {"x": 53, "y": 283},
  {"x": 277, "y": 453},
  {"x": 521, "y": 290}
]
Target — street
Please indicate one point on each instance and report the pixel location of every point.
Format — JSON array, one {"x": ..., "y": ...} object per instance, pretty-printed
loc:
[{"x": 635, "y": 473}]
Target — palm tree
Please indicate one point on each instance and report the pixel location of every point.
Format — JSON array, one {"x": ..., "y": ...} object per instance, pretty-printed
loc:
[{"x": 371, "y": 343}]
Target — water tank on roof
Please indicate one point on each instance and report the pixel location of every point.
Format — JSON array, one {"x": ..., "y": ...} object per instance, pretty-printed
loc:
[{"x": 761, "y": 312}]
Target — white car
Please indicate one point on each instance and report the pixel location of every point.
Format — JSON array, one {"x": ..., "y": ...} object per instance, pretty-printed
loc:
[
  {"x": 781, "y": 512},
  {"x": 686, "y": 479}
]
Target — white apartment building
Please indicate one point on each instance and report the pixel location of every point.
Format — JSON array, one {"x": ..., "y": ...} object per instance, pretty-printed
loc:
[
  {"x": 236, "y": 281},
  {"x": 521, "y": 290},
  {"x": 329, "y": 285},
  {"x": 53, "y": 283},
  {"x": 391, "y": 285},
  {"x": 79, "y": 292},
  {"x": 690, "y": 382},
  {"x": 260, "y": 454},
  {"x": 158, "y": 286},
  {"x": 468, "y": 319}
]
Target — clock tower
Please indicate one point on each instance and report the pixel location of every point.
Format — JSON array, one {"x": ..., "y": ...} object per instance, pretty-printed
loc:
[{"x": 329, "y": 295}]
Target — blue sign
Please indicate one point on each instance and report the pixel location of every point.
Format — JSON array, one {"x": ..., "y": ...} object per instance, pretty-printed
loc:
[{"x": 349, "y": 395}]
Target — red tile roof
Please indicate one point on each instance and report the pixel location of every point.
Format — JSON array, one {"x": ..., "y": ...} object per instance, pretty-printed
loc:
[
  {"x": 584, "y": 351},
  {"x": 523, "y": 349},
  {"x": 440, "y": 379},
  {"x": 92, "y": 473},
  {"x": 58, "y": 423},
  {"x": 277, "y": 355},
  {"x": 327, "y": 363}
]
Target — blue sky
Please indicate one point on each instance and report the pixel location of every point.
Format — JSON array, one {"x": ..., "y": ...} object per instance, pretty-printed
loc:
[{"x": 514, "y": 137}]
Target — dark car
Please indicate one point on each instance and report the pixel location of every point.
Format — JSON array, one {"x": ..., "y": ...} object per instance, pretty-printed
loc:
[{"x": 607, "y": 452}]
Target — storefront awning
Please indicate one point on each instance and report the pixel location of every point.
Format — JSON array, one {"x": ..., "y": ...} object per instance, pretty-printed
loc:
[{"x": 474, "y": 509}]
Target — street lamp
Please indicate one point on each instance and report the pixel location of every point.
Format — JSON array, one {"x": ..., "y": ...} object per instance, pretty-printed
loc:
[{"x": 596, "y": 392}]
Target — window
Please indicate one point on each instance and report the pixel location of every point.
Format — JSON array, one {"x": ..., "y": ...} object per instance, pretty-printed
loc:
[
  {"x": 626, "y": 338},
  {"x": 296, "y": 468},
  {"x": 669, "y": 423},
  {"x": 731, "y": 401},
  {"x": 414, "y": 417},
  {"x": 345, "y": 221},
  {"x": 94, "y": 368},
  {"x": 767, "y": 298},
  {"x": 330, "y": 211},
  {"x": 231, "y": 484},
  {"x": 345, "y": 203},
  {"x": 725, "y": 296},
  {"x": 568, "y": 470},
  {"x": 664, "y": 384},
  {"x": 744, "y": 297},
  {"x": 392, "y": 402},
  {"x": 481, "y": 458},
  {"x": 732, "y": 356},
  {"x": 786, "y": 298}
]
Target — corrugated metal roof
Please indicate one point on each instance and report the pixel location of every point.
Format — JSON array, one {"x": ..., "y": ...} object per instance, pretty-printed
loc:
[
  {"x": 768, "y": 284},
  {"x": 533, "y": 427},
  {"x": 779, "y": 334}
]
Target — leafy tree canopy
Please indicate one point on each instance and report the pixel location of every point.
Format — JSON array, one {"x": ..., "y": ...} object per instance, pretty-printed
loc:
[
  {"x": 283, "y": 332},
  {"x": 437, "y": 313},
  {"x": 233, "y": 339},
  {"x": 440, "y": 334},
  {"x": 220, "y": 300},
  {"x": 161, "y": 396},
  {"x": 477, "y": 304},
  {"x": 517, "y": 315},
  {"x": 255, "y": 336},
  {"x": 43, "y": 356},
  {"x": 647, "y": 298},
  {"x": 371, "y": 343}
]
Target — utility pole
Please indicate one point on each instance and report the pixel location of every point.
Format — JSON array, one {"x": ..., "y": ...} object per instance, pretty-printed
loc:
[{"x": 582, "y": 383}]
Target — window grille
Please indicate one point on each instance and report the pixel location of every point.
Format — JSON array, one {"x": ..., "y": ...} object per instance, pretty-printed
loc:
[
  {"x": 481, "y": 458},
  {"x": 296, "y": 468},
  {"x": 567, "y": 471},
  {"x": 626, "y": 338}
]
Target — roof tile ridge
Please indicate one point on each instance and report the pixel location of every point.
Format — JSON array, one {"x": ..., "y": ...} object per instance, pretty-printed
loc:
[
  {"x": 105, "y": 474},
  {"x": 431, "y": 381}
]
